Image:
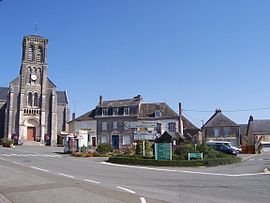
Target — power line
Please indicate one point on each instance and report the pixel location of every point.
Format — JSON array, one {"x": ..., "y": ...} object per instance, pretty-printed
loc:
[{"x": 229, "y": 111}]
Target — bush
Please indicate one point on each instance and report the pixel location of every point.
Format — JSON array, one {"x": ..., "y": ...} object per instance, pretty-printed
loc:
[
  {"x": 148, "y": 149},
  {"x": 183, "y": 150},
  {"x": 208, "y": 152},
  {"x": 104, "y": 148},
  {"x": 183, "y": 163},
  {"x": 6, "y": 142}
]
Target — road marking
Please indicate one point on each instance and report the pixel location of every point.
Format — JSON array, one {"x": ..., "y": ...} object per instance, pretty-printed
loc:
[
  {"x": 125, "y": 189},
  {"x": 248, "y": 157},
  {"x": 62, "y": 174},
  {"x": 40, "y": 169},
  {"x": 91, "y": 181},
  {"x": 34, "y": 155},
  {"x": 142, "y": 200},
  {"x": 189, "y": 172}
]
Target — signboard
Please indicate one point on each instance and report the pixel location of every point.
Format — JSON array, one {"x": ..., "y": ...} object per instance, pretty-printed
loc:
[
  {"x": 138, "y": 135},
  {"x": 195, "y": 156},
  {"x": 141, "y": 124},
  {"x": 163, "y": 151}
]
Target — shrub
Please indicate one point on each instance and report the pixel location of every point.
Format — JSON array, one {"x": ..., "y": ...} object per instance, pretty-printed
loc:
[
  {"x": 183, "y": 150},
  {"x": 148, "y": 149},
  {"x": 183, "y": 163},
  {"x": 6, "y": 142},
  {"x": 208, "y": 152},
  {"x": 104, "y": 148}
]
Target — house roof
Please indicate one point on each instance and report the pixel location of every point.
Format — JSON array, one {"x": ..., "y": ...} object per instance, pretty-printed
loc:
[
  {"x": 90, "y": 115},
  {"x": 147, "y": 110},
  {"x": 219, "y": 120},
  {"x": 261, "y": 126},
  {"x": 187, "y": 124},
  {"x": 120, "y": 103},
  {"x": 61, "y": 97},
  {"x": 243, "y": 129},
  {"x": 3, "y": 93}
]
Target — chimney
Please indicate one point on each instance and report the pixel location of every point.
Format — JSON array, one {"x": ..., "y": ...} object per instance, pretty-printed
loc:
[
  {"x": 218, "y": 110},
  {"x": 100, "y": 99},
  {"x": 73, "y": 116},
  {"x": 181, "y": 127}
]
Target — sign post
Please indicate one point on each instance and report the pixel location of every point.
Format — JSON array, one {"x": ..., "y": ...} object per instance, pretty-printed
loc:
[{"x": 163, "y": 151}]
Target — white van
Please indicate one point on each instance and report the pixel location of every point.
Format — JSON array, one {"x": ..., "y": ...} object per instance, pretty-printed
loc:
[
  {"x": 264, "y": 147},
  {"x": 227, "y": 143}
]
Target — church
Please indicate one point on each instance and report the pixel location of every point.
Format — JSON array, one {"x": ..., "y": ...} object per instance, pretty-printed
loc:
[{"x": 31, "y": 109}]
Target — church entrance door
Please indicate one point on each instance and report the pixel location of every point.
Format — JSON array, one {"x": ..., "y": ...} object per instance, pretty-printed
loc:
[{"x": 31, "y": 133}]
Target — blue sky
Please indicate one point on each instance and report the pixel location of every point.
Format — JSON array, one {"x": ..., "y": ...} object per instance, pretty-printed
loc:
[{"x": 206, "y": 54}]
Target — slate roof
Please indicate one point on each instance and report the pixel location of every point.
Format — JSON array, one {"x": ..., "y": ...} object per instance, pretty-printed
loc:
[
  {"x": 90, "y": 115},
  {"x": 3, "y": 93},
  {"x": 187, "y": 124},
  {"x": 147, "y": 110},
  {"x": 261, "y": 126},
  {"x": 118, "y": 103},
  {"x": 61, "y": 97},
  {"x": 219, "y": 120}
]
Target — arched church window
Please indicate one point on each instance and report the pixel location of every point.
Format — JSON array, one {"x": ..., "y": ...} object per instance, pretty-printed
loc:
[
  {"x": 40, "y": 54},
  {"x": 30, "y": 54},
  {"x": 36, "y": 99},
  {"x": 30, "y": 99}
]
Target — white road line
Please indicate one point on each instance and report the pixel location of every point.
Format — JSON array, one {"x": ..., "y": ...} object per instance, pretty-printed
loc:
[
  {"x": 62, "y": 174},
  {"x": 142, "y": 200},
  {"x": 248, "y": 157},
  {"x": 40, "y": 169},
  {"x": 91, "y": 181},
  {"x": 125, "y": 189},
  {"x": 190, "y": 172}
]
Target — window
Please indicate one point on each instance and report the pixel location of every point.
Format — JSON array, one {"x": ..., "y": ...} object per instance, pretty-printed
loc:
[
  {"x": 158, "y": 114},
  {"x": 126, "y": 111},
  {"x": 226, "y": 132},
  {"x": 172, "y": 127},
  {"x": 216, "y": 132},
  {"x": 39, "y": 55},
  {"x": 158, "y": 128},
  {"x": 126, "y": 140},
  {"x": 30, "y": 54},
  {"x": 104, "y": 126},
  {"x": 115, "y": 125},
  {"x": 30, "y": 99},
  {"x": 115, "y": 111},
  {"x": 36, "y": 99},
  {"x": 104, "y": 112},
  {"x": 104, "y": 139}
]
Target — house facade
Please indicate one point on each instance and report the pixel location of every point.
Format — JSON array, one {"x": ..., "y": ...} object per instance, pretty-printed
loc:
[
  {"x": 85, "y": 124},
  {"x": 221, "y": 128},
  {"x": 257, "y": 131},
  {"x": 31, "y": 109}
]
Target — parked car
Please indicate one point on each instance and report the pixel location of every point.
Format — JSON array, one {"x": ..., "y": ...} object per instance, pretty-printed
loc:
[
  {"x": 223, "y": 148},
  {"x": 264, "y": 147},
  {"x": 238, "y": 150}
]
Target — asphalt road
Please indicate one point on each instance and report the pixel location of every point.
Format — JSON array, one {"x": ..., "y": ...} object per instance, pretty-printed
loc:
[{"x": 44, "y": 174}]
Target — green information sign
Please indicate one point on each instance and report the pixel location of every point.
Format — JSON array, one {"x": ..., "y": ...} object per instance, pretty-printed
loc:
[
  {"x": 195, "y": 156},
  {"x": 163, "y": 151}
]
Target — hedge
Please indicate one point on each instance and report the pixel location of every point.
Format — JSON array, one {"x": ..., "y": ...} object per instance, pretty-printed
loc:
[{"x": 153, "y": 162}]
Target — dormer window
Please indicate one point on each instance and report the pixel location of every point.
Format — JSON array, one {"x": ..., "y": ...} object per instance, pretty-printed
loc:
[
  {"x": 158, "y": 114},
  {"x": 126, "y": 111},
  {"x": 115, "y": 111},
  {"x": 105, "y": 112}
]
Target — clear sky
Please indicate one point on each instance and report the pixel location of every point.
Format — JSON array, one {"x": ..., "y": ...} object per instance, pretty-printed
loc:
[{"x": 206, "y": 54}]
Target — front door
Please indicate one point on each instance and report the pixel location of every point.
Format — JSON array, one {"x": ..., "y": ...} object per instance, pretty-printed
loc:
[
  {"x": 31, "y": 133},
  {"x": 93, "y": 142},
  {"x": 115, "y": 141}
]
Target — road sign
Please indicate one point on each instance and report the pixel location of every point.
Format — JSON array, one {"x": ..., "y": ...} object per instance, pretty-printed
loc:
[
  {"x": 141, "y": 124},
  {"x": 163, "y": 151},
  {"x": 144, "y": 135},
  {"x": 195, "y": 156}
]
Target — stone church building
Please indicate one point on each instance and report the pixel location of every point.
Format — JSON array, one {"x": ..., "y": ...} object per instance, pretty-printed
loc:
[{"x": 31, "y": 110}]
